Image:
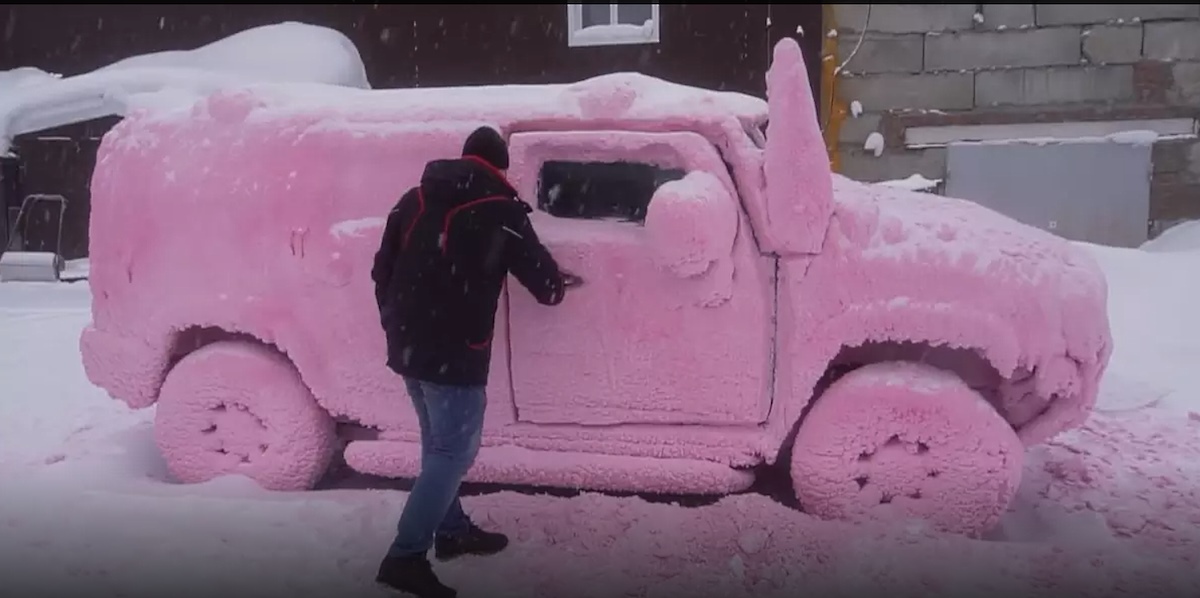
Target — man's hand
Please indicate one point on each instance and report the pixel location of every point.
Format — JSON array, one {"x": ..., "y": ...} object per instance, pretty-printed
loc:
[{"x": 571, "y": 281}]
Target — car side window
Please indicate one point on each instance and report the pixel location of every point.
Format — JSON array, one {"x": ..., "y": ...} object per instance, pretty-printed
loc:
[{"x": 600, "y": 190}]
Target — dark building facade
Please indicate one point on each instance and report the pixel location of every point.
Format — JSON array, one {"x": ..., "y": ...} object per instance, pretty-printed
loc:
[{"x": 718, "y": 46}]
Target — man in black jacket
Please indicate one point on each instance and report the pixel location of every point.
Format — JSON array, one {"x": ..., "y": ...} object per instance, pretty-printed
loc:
[{"x": 447, "y": 248}]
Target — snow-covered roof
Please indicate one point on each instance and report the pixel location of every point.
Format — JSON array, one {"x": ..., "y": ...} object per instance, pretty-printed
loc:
[
  {"x": 297, "y": 69},
  {"x": 284, "y": 52},
  {"x": 32, "y": 100},
  {"x": 616, "y": 98},
  {"x": 15, "y": 79}
]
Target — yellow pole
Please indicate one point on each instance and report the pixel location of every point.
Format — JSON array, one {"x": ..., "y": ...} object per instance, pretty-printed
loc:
[{"x": 833, "y": 108}]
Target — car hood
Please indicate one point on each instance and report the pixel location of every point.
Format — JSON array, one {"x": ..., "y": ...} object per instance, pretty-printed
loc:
[{"x": 933, "y": 266}]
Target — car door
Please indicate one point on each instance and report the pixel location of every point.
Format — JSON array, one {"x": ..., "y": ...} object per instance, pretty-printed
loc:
[
  {"x": 360, "y": 171},
  {"x": 638, "y": 343}
]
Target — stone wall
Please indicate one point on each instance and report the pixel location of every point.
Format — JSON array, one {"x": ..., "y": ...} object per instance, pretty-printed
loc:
[{"x": 969, "y": 64}]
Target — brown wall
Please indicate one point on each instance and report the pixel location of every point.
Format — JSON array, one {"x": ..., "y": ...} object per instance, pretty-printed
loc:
[{"x": 722, "y": 46}]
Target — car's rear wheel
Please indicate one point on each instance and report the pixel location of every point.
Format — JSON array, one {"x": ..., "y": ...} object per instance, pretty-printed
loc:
[
  {"x": 237, "y": 407},
  {"x": 896, "y": 441}
]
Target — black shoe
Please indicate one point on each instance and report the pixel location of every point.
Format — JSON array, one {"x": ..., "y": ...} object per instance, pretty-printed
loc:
[
  {"x": 475, "y": 542},
  {"x": 412, "y": 575}
]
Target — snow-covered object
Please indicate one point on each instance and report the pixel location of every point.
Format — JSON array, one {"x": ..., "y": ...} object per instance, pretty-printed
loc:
[
  {"x": 258, "y": 417},
  {"x": 874, "y": 143},
  {"x": 913, "y": 182},
  {"x": 252, "y": 216},
  {"x": 691, "y": 224},
  {"x": 13, "y": 80},
  {"x": 1181, "y": 237},
  {"x": 284, "y": 52},
  {"x": 884, "y": 418},
  {"x": 799, "y": 189}
]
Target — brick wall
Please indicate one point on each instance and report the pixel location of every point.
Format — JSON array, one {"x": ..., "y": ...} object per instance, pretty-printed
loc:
[{"x": 966, "y": 64}]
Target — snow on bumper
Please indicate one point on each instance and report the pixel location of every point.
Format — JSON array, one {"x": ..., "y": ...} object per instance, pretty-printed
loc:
[{"x": 129, "y": 368}]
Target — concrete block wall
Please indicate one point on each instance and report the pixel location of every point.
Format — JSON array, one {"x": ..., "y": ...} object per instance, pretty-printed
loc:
[{"x": 969, "y": 64}]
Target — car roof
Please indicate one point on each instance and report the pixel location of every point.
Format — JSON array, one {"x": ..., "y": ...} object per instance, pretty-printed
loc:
[{"x": 614, "y": 98}]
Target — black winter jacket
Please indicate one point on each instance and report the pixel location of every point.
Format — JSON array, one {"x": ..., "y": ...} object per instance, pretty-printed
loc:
[{"x": 446, "y": 251}]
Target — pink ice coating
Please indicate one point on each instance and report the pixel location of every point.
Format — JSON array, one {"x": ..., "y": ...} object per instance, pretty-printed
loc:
[{"x": 231, "y": 243}]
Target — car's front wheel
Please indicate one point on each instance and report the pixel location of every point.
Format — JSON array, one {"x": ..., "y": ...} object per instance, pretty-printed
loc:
[
  {"x": 236, "y": 407},
  {"x": 896, "y": 441}
]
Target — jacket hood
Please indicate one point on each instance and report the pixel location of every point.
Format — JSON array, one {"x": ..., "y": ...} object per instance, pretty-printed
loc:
[{"x": 458, "y": 181}]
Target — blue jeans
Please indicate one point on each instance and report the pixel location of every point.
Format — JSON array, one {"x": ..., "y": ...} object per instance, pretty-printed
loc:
[{"x": 451, "y": 422}]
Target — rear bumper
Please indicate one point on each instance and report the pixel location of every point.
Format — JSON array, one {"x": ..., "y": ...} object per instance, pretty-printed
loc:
[{"x": 130, "y": 369}]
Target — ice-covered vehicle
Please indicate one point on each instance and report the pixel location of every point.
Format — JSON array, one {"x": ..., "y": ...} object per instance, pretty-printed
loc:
[{"x": 897, "y": 350}]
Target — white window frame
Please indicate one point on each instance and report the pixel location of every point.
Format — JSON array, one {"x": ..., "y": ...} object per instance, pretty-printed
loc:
[{"x": 620, "y": 34}]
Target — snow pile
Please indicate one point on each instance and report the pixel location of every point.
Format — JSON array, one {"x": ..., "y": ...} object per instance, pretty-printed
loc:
[
  {"x": 285, "y": 52},
  {"x": 1181, "y": 237},
  {"x": 1157, "y": 333},
  {"x": 12, "y": 81},
  {"x": 915, "y": 182},
  {"x": 874, "y": 143}
]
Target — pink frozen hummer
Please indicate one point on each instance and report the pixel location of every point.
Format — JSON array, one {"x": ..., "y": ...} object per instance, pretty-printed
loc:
[{"x": 896, "y": 351}]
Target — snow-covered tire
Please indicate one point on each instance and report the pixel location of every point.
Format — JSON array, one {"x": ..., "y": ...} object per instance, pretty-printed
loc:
[
  {"x": 237, "y": 407},
  {"x": 898, "y": 441}
]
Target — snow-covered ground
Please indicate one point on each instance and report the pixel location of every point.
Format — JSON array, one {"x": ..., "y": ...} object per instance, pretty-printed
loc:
[{"x": 1111, "y": 509}]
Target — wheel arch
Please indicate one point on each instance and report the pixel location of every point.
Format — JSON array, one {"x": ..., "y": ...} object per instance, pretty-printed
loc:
[
  {"x": 985, "y": 353},
  {"x": 183, "y": 340},
  {"x": 132, "y": 363},
  {"x": 186, "y": 340},
  {"x": 969, "y": 363}
]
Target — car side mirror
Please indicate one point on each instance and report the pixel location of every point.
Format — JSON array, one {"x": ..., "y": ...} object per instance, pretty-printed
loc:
[{"x": 691, "y": 223}]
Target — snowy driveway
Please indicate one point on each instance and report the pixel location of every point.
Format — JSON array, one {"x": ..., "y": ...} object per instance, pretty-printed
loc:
[{"x": 1112, "y": 509}]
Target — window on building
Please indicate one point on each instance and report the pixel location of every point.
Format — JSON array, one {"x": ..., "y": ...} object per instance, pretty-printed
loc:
[
  {"x": 600, "y": 190},
  {"x": 612, "y": 24}
]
